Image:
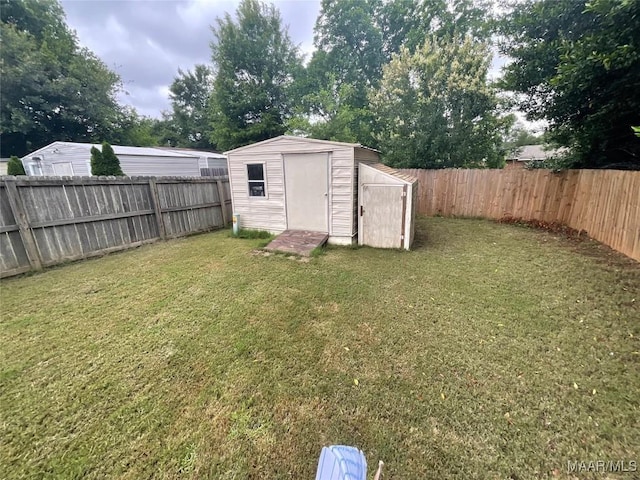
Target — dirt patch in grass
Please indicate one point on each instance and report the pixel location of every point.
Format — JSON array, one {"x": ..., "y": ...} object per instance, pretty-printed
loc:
[{"x": 490, "y": 351}]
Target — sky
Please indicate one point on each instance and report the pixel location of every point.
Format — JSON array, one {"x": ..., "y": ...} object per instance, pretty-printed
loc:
[{"x": 146, "y": 42}]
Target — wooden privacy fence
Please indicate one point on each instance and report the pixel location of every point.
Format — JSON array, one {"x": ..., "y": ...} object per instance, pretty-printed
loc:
[
  {"x": 49, "y": 220},
  {"x": 603, "y": 203}
]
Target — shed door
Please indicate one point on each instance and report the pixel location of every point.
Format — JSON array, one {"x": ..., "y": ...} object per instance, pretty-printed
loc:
[
  {"x": 381, "y": 210},
  {"x": 306, "y": 191}
]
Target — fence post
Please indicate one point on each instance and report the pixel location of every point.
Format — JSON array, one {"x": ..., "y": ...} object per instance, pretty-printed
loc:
[
  {"x": 223, "y": 202},
  {"x": 155, "y": 201},
  {"x": 17, "y": 208}
]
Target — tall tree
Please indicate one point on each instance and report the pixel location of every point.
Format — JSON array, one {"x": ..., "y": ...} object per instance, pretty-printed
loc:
[
  {"x": 435, "y": 109},
  {"x": 135, "y": 130},
  {"x": 190, "y": 93},
  {"x": 52, "y": 89},
  {"x": 255, "y": 64},
  {"x": 355, "y": 38},
  {"x": 577, "y": 65}
]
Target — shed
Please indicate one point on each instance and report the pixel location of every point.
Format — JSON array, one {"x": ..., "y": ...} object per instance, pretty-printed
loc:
[
  {"x": 341, "y": 189},
  {"x": 387, "y": 205},
  {"x": 74, "y": 159},
  {"x": 294, "y": 183}
]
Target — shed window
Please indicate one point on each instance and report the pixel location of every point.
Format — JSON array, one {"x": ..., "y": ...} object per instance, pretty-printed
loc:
[{"x": 255, "y": 174}]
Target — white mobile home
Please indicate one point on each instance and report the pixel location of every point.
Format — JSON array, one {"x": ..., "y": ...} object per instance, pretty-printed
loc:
[
  {"x": 293, "y": 183},
  {"x": 74, "y": 159}
]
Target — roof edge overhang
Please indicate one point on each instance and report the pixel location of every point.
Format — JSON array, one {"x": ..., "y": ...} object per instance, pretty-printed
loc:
[{"x": 301, "y": 139}]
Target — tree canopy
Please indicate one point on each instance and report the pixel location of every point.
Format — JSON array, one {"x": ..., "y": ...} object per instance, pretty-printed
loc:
[
  {"x": 52, "y": 89},
  {"x": 190, "y": 95},
  {"x": 354, "y": 39},
  {"x": 407, "y": 76},
  {"x": 434, "y": 108},
  {"x": 577, "y": 65},
  {"x": 255, "y": 64}
]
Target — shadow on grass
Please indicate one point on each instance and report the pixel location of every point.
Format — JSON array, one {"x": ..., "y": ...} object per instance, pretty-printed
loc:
[{"x": 429, "y": 238}]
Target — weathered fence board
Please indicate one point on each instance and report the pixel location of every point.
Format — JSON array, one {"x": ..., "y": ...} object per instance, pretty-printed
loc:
[
  {"x": 49, "y": 220},
  {"x": 603, "y": 203}
]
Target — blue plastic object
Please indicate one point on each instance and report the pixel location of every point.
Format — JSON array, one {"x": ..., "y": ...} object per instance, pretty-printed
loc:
[{"x": 341, "y": 462}]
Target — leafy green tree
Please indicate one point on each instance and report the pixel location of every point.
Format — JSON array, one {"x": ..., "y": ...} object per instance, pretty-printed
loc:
[
  {"x": 435, "y": 109},
  {"x": 15, "y": 167},
  {"x": 255, "y": 65},
  {"x": 190, "y": 94},
  {"x": 518, "y": 135},
  {"x": 52, "y": 89},
  {"x": 354, "y": 39},
  {"x": 577, "y": 65},
  {"x": 135, "y": 130},
  {"x": 105, "y": 162}
]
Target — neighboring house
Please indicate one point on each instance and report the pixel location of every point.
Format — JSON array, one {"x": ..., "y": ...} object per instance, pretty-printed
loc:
[
  {"x": 294, "y": 183},
  {"x": 216, "y": 162},
  {"x": 74, "y": 159},
  {"x": 531, "y": 153},
  {"x": 4, "y": 162}
]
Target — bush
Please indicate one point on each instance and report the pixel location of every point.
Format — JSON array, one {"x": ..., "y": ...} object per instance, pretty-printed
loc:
[
  {"x": 105, "y": 162},
  {"x": 15, "y": 167}
]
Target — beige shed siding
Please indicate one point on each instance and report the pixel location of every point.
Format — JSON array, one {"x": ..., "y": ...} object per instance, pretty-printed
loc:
[
  {"x": 342, "y": 197},
  {"x": 381, "y": 174},
  {"x": 270, "y": 214},
  {"x": 363, "y": 155},
  {"x": 256, "y": 212}
]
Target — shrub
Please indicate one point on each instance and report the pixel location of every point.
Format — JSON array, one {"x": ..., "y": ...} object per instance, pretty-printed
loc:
[
  {"x": 105, "y": 162},
  {"x": 15, "y": 167}
]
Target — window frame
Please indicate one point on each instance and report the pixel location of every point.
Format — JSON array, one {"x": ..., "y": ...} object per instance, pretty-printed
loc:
[{"x": 264, "y": 180}]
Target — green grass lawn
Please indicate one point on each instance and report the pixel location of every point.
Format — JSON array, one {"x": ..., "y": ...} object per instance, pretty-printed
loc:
[{"x": 490, "y": 351}]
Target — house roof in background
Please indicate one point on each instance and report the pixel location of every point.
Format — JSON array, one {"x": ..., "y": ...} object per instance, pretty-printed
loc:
[
  {"x": 193, "y": 152},
  {"x": 530, "y": 153},
  {"x": 126, "y": 150}
]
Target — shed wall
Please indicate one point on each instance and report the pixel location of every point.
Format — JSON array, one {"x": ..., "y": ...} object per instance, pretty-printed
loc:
[
  {"x": 260, "y": 213},
  {"x": 373, "y": 176},
  {"x": 270, "y": 213},
  {"x": 363, "y": 155}
]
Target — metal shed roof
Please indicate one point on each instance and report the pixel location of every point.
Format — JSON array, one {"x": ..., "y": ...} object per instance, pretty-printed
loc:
[
  {"x": 392, "y": 172},
  {"x": 192, "y": 152}
]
